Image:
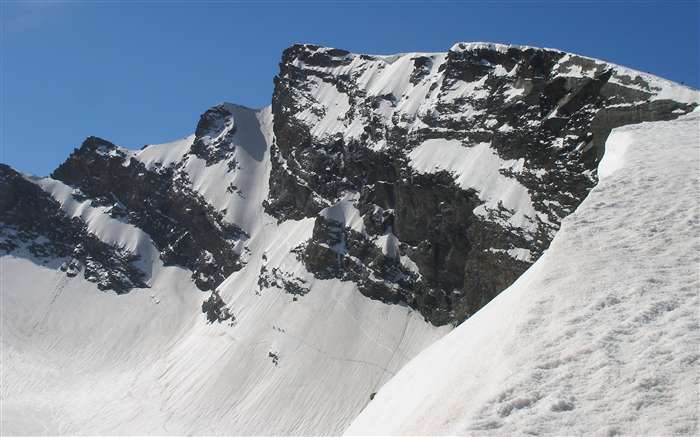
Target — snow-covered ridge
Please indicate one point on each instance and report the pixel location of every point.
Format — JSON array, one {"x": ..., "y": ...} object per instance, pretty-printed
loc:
[
  {"x": 215, "y": 182},
  {"x": 515, "y": 132},
  {"x": 85, "y": 361},
  {"x": 480, "y": 45},
  {"x": 599, "y": 336},
  {"x": 384, "y": 201},
  {"x": 99, "y": 223},
  {"x": 660, "y": 87}
]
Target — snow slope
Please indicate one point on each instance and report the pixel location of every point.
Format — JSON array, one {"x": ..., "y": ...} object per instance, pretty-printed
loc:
[
  {"x": 253, "y": 134},
  {"x": 76, "y": 360},
  {"x": 600, "y": 336},
  {"x": 307, "y": 360}
]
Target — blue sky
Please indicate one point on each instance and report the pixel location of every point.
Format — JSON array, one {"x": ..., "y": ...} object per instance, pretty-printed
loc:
[{"x": 139, "y": 72}]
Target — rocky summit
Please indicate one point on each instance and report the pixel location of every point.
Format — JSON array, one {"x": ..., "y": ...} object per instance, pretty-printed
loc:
[{"x": 434, "y": 180}]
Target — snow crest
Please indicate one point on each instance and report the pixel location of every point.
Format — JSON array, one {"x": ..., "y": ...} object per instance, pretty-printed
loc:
[{"x": 599, "y": 336}]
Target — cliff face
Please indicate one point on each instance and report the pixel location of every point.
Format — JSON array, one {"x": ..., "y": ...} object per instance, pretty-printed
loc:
[
  {"x": 599, "y": 336},
  {"x": 183, "y": 226},
  {"x": 466, "y": 161},
  {"x": 434, "y": 179}
]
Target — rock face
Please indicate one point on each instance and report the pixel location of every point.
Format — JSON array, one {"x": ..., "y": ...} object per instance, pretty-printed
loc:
[
  {"x": 183, "y": 226},
  {"x": 32, "y": 221},
  {"x": 553, "y": 366},
  {"x": 214, "y": 134},
  {"x": 434, "y": 179},
  {"x": 468, "y": 160}
]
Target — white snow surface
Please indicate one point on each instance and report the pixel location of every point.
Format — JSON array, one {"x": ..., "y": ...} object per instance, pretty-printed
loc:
[
  {"x": 600, "y": 336},
  {"x": 345, "y": 212},
  {"x": 76, "y": 360},
  {"x": 251, "y": 176},
  {"x": 660, "y": 88},
  {"x": 477, "y": 167},
  {"x": 384, "y": 75}
]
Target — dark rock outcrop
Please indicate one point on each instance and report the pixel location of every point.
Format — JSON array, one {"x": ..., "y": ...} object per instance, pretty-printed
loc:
[
  {"x": 216, "y": 310},
  {"x": 183, "y": 226},
  {"x": 535, "y": 108},
  {"x": 32, "y": 220},
  {"x": 214, "y": 134}
]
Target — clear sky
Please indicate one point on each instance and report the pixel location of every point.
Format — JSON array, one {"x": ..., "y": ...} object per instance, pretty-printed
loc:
[{"x": 142, "y": 72}]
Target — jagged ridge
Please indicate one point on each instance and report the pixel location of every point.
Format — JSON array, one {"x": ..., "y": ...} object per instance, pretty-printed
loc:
[{"x": 435, "y": 179}]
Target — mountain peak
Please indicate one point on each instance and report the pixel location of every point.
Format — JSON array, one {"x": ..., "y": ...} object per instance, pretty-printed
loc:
[
  {"x": 98, "y": 144},
  {"x": 379, "y": 202}
]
